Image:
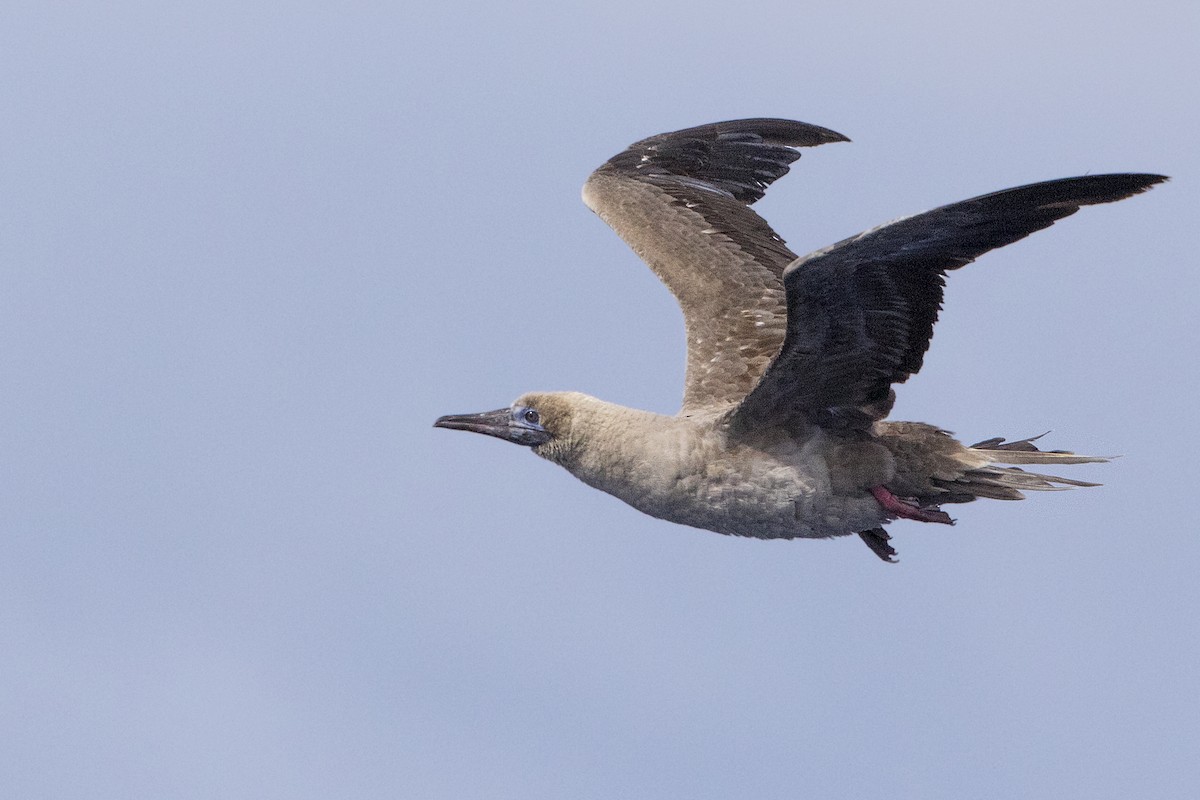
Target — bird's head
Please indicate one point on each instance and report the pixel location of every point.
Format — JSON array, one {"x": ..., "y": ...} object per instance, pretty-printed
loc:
[{"x": 534, "y": 420}]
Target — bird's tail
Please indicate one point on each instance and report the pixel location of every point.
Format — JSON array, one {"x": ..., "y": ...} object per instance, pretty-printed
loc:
[{"x": 998, "y": 479}]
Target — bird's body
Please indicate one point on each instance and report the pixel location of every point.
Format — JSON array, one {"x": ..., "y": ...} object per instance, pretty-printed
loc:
[
  {"x": 782, "y": 433},
  {"x": 690, "y": 470}
]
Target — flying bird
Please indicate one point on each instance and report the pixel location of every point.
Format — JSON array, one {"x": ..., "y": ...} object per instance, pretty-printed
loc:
[{"x": 791, "y": 360}]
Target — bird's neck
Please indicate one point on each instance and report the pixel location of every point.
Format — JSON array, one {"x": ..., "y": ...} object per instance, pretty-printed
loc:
[{"x": 624, "y": 451}]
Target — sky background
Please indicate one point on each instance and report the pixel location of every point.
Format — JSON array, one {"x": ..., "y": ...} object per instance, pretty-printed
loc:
[{"x": 251, "y": 251}]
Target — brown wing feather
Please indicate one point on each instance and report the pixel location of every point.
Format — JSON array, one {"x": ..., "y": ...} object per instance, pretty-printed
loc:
[{"x": 682, "y": 201}]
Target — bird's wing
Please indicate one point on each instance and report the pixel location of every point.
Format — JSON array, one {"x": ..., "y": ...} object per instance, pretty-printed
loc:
[
  {"x": 860, "y": 313},
  {"x": 682, "y": 201}
]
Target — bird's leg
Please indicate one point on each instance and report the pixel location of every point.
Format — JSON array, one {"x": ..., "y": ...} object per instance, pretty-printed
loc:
[
  {"x": 877, "y": 539},
  {"x": 907, "y": 509}
]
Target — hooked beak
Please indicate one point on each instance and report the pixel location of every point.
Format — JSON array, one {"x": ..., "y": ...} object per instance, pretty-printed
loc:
[{"x": 500, "y": 423}]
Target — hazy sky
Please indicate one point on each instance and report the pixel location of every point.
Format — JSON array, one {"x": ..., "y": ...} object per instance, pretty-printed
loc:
[{"x": 250, "y": 253}]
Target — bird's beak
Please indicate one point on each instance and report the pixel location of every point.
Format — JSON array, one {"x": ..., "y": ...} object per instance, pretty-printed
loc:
[{"x": 499, "y": 423}]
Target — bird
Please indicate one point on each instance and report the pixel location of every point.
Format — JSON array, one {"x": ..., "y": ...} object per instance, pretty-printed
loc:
[{"x": 791, "y": 361}]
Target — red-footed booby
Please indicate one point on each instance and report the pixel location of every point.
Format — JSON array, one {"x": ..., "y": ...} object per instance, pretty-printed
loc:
[{"x": 791, "y": 360}]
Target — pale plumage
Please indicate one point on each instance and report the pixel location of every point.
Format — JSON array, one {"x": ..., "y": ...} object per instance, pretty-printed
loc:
[{"x": 790, "y": 360}]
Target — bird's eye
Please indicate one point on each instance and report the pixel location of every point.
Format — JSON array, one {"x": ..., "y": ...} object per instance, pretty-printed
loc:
[{"x": 532, "y": 417}]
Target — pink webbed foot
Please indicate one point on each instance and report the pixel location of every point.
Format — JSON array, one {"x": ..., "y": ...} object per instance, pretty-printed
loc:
[{"x": 906, "y": 509}]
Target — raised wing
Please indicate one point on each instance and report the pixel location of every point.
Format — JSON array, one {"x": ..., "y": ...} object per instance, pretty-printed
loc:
[
  {"x": 860, "y": 313},
  {"x": 682, "y": 201}
]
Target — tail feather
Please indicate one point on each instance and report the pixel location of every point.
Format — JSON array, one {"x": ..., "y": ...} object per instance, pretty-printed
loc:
[
  {"x": 1024, "y": 451},
  {"x": 1010, "y": 482}
]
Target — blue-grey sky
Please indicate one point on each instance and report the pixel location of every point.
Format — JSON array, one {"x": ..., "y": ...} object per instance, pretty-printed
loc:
[{"x": 250, "y": 252}]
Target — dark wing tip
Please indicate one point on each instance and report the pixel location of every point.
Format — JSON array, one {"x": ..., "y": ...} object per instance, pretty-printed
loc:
[
  {"x": 787, "y": 132},
  {"x": 737, "y": 158},
  {"x": 1095, "y": 189},
  {"x": 1062, "y": 197}
]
